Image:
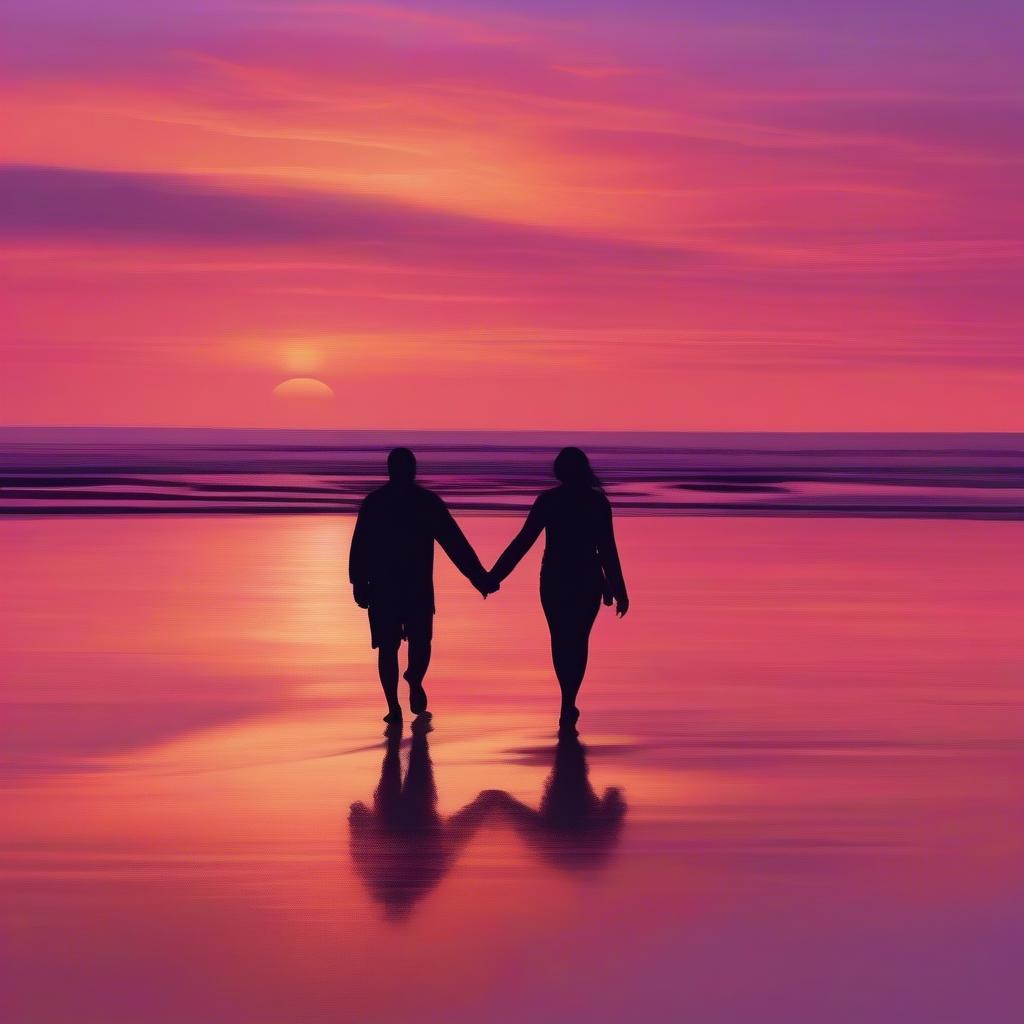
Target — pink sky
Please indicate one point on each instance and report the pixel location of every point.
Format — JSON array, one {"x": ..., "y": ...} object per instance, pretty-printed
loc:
[{"x": 500, "y": 215}]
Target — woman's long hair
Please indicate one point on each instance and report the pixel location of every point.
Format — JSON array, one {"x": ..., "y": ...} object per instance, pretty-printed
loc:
[{"x": 572, "y": 468}]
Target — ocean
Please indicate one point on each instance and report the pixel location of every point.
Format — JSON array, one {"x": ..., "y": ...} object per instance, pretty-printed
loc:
[{"x": 98, "y": 470}]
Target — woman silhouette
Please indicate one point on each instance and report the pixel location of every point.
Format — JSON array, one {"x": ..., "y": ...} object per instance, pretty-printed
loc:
[{"x": 581, "y": 564}]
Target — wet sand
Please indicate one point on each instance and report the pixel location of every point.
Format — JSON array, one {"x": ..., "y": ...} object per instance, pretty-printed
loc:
[{"x": 798, "y": 795}]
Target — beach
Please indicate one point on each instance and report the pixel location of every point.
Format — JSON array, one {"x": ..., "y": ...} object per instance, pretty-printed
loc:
[
  {"x": 799, "y": 784},
  {"x": 748, "y": 276}
]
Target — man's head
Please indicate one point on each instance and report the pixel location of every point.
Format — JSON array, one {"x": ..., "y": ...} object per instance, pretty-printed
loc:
[{"x": 402, "y": 466}]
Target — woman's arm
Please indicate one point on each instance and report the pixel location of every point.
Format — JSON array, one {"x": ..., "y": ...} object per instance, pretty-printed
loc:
[
  {"x": 521, "y": 543},
  {"x": 608, "y": 552}
]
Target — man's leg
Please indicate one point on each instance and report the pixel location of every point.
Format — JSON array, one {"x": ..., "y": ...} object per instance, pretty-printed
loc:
[
  {"x": 419, "y": 662},
  {"x": 387, "y": 667}
]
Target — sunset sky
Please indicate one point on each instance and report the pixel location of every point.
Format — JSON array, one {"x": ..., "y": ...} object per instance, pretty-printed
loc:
[{"x": 740, "y": 214}]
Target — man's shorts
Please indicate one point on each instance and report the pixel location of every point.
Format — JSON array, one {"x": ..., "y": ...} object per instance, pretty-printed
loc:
[{"x": 390, "y": 625}]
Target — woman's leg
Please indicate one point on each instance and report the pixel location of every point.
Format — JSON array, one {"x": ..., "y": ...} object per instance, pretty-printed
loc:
[
  {"x": 573, "y": 649},
  {"x": 570, "y": 623}
]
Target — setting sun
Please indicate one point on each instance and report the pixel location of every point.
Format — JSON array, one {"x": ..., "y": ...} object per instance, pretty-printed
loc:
[{"x": 303, "y": 387}]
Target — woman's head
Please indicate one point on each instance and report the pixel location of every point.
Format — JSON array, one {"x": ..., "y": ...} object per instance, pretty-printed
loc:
[{"x": 572, "y": 467}]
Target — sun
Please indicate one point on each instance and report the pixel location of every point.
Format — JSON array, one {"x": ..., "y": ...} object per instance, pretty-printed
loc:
[{"x": 303, "y": 388}]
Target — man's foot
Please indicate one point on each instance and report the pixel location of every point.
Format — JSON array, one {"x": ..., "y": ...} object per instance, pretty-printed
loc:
[
  {"x": 417, "y": 699},
  {"x": 393, "y": 716}
]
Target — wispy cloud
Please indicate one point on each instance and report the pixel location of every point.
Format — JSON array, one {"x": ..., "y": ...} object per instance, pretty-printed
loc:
[{"x": 46, "y": 203}]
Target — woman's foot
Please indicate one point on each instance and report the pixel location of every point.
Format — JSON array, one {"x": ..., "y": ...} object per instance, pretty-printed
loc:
[
  {"x": 569, "y": 716},
  {"x": 394, "y": 716}
]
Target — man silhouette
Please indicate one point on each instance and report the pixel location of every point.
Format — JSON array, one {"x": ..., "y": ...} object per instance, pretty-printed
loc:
[{"x": 391, "y": 568}]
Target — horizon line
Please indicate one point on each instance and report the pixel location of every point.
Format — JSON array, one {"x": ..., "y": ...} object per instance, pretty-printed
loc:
[{"x": 491, "y": 430}]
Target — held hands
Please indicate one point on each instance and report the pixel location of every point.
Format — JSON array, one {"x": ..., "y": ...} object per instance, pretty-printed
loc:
[
  {"x": 487, "y": 584},
  {"x": 621, "y": 606}
]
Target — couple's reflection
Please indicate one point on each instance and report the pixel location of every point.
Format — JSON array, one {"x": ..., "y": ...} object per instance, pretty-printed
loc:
[{"x": 402, "y": 847}]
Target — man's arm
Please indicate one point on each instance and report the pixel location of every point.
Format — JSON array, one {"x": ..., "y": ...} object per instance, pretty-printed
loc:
[
  {"x": 453, "y": 541},
  {"x": 359, "y": 559}
]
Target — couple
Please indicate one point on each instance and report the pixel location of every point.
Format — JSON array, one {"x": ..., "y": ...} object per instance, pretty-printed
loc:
[{"x": 391, "y": 567}]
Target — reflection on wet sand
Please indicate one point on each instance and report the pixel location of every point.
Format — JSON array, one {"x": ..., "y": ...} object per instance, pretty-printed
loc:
[
  {"x": 816, "y": 725},
  {"x": 402, "y": 848}
]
